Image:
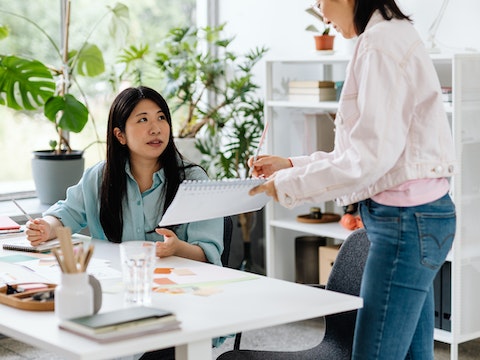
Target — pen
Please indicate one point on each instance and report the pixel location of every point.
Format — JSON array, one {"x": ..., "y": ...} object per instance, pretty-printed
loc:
[
  {"x": 260, "y": 143},
  {"x": 22, "y": 210}
]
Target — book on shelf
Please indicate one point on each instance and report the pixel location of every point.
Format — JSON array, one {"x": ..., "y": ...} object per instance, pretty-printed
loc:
[
  {"x": 311, "y": 84},
  {"x": 20, "y": 243},
  {"x": 327, "y": 96},
  {"x": 122, "y": 324},
  {"x": 447, "y": 94},
  {"x": 312, "y": 91}
]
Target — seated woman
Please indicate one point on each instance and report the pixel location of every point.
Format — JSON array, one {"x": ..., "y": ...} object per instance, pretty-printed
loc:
[{"x": 124, "y": 197}]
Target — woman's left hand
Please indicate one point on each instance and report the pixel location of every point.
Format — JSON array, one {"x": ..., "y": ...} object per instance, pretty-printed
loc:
[
  {"x": 267, "y": 187},
  {"x": 169, "y": 245}
]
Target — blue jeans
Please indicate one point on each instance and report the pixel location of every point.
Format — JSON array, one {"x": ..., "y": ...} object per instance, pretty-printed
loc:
[{"x": 408, "y": 247}]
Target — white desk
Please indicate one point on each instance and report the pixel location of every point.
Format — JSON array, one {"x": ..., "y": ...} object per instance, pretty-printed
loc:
[{"x": 240, "y": 306}]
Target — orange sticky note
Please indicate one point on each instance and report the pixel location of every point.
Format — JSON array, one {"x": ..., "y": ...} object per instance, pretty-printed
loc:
[
  {"x": 163, "y": 281},
  {"x": 162, "y": 270},
  {"x": 183, "y": 272}
]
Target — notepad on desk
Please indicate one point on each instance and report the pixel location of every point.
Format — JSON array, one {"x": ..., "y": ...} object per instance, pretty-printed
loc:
[
  {"x": 22, "y": 244},
  {"x": 198, "y": 200},
  {"x": 121, "y": 324}
]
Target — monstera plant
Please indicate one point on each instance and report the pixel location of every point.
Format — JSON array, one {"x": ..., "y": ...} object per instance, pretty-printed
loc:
[{"x": 28, "y": 84}]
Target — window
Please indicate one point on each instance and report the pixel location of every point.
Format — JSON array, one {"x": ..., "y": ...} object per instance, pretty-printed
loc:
[{"x": 21, "y": 133}]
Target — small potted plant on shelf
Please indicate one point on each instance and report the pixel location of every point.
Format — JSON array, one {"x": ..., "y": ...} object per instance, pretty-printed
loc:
[
  {"x": 28, "y": 84},
  {"x": 323, "y": 39}
]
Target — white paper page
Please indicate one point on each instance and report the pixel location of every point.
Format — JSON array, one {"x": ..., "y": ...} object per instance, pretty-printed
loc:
[{"x": 202, "y": 200}]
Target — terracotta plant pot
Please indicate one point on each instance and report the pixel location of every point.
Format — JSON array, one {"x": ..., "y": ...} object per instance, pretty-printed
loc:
[{"x": 324, "y": 42}]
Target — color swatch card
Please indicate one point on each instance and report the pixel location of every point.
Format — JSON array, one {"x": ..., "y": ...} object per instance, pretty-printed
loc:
[{"x": 208, "y": 199}]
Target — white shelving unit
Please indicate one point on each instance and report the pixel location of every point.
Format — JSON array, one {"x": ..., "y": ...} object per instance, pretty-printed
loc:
[{"x": 297, "y": 128}]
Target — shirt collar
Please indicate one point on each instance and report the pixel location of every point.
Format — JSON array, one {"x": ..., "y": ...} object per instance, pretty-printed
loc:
[{"x": 158, "y": 176}]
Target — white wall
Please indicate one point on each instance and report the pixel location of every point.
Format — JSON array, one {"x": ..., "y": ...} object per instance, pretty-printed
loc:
[{"x": 280, "y": 25}]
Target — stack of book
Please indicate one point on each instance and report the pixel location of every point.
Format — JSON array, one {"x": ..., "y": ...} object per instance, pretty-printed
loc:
[
  {"x": 9, "y": 227},
  {"x": 122, "y": 324},
  {"x": 447, "y": 94},
  {"x": 312, "y": 91}
]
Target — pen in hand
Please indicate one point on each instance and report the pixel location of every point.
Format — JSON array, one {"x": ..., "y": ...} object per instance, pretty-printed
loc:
[
  {"x": 22, "y": 210},
  {"x": 260, "y": 143}
]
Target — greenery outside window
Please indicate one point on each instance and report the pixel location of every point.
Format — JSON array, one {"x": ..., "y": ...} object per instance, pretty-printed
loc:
[{"x": 26, "y": 132}]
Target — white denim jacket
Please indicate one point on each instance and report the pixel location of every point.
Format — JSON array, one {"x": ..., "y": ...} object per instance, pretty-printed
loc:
[{"x": 391, "y": 125}]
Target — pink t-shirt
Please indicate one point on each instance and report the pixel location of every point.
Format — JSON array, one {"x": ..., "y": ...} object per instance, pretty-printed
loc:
[{"x": 413, "y": 192}]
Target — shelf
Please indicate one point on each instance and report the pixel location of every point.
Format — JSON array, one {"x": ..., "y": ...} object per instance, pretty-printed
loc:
[
  {"x": 314, "y": 59},
  {"x": 322, "y": 105},
  {"x": 331, "y": 230},
  {"x": 442, "y": 336}
]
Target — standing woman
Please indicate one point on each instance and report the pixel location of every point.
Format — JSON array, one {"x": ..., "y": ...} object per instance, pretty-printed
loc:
[
  {"x": 124, "y": 197},
  {"x": 394, "y": 154}
]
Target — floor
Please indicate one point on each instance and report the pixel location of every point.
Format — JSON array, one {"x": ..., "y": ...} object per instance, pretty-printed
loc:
[{"x": 300, "y": 335}]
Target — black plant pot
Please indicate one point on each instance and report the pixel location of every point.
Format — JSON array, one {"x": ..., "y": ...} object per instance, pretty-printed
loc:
[{"x": 54, "y": 173}]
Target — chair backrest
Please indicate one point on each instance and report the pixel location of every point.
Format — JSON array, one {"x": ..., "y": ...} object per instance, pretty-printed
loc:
[
  {"x": 345, "y": 277},
  {"x": 347, "y": 271},
  {"x": 227, "y": 239}
]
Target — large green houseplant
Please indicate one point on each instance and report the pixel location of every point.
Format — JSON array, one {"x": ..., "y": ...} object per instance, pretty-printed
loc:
[
  {"x": 212, "y": 95},
  {"x": 214, "y": 88},
  {"x": 28, "y": 84}
]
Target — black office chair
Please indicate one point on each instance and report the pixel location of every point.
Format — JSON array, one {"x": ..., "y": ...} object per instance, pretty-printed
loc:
[
  {"x": 169, "y": 353},
  {"x": 345, "y": 277}
]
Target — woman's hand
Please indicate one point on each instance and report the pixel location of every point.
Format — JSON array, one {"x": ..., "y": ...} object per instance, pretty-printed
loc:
[
  {"x": 170, "y": 243},
  {"x": 37, "y": 231},
  {"x": 266, "y": 165},
  {"x": 267, "y": 187}
]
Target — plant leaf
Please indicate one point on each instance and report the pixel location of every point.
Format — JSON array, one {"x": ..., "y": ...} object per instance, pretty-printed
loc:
[
  {"x": 119, "y": 24},
  {"x": 24, "y": 84},
  {"x": 90, "y": 61},
  {"x": 4, "y": 31},
  {"x": 74, "y": 114}
]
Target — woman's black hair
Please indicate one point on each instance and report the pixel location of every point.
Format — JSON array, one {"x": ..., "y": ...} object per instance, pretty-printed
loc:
[
  {"x": 114, "y": 182},
  {"x": 365, "y": 8}
]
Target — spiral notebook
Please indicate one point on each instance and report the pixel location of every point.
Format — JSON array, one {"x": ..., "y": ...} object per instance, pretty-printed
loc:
[
  {"x": 207, "y": 199},
  {"x": 22, "y": 244}
]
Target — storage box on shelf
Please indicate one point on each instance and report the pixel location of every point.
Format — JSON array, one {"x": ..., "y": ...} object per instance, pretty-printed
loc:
[{"x": 300, "y": 127}]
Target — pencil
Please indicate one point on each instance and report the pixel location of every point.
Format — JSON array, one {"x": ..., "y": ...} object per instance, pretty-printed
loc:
[{"x": 27, "y": 215}]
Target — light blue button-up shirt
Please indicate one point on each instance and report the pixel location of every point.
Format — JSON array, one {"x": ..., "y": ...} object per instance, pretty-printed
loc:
[{"x": 141, "y": 211}]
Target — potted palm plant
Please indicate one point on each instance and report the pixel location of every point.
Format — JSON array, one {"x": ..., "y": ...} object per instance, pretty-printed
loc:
[{"x": 33, "y": 85}]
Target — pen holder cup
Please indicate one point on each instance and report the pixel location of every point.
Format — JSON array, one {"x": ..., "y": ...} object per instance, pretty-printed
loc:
[{"x": 74, "y": 296}]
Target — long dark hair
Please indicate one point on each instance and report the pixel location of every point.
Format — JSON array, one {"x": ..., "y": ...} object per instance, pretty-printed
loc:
[
  {"x": 114, "y": 181},
  {"x": 365, "y": 8}
]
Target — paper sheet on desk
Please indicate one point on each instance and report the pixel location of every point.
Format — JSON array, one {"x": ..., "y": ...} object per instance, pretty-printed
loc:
[
  {"x": 48, "y": 268},
  {"x": 203, "y": 200}
]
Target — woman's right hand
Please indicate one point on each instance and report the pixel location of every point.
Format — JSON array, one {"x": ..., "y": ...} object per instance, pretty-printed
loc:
[
  {"x": 38, "y": 231},
  {"x": 266, "y": 165}
]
